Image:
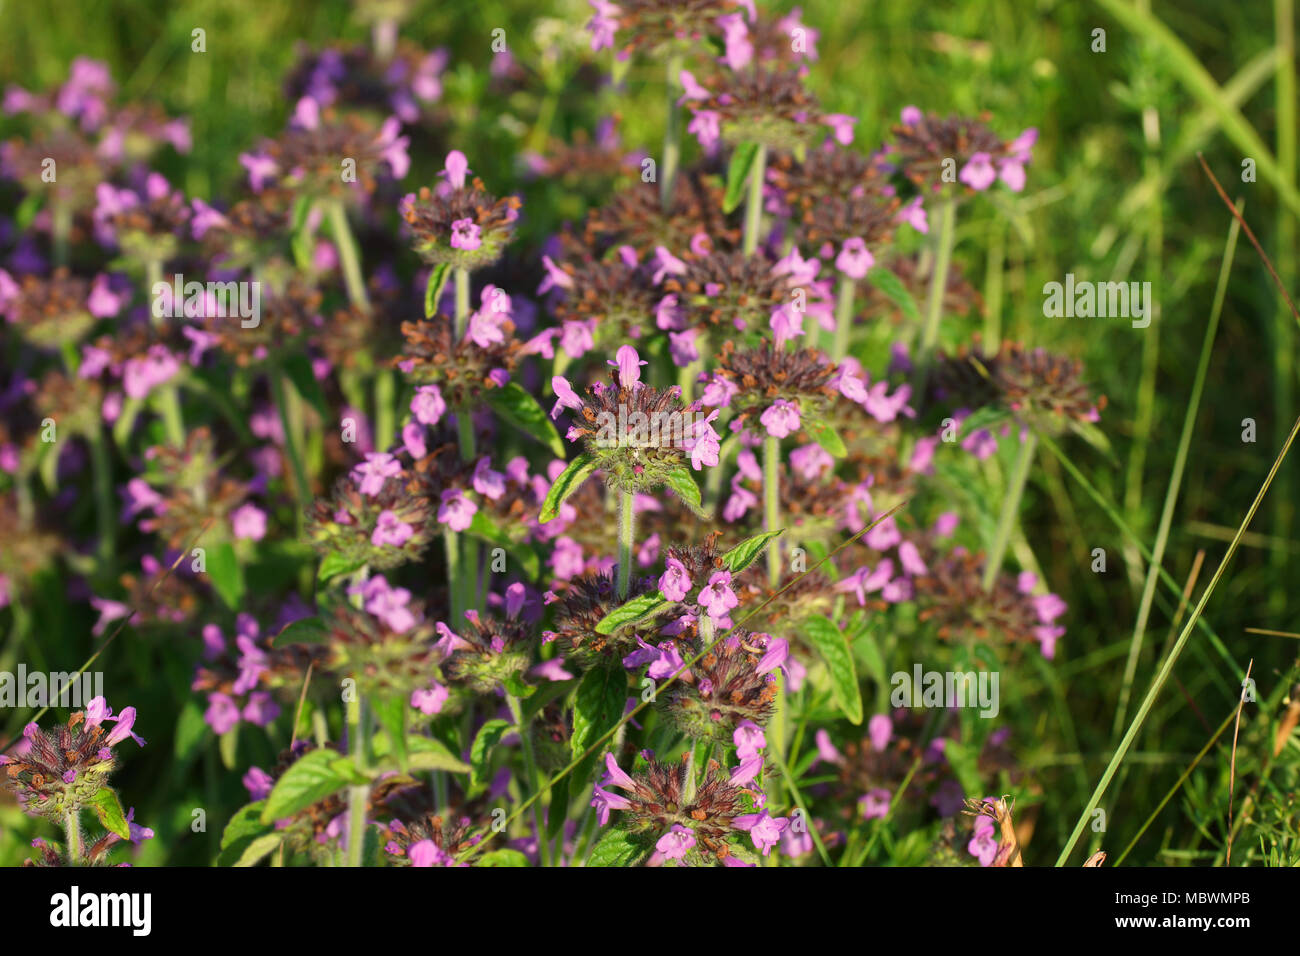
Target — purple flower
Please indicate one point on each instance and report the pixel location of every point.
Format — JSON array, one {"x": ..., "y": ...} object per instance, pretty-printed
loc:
[
  {"x": 983, "y": 845},
  {"x": 258, "y": 783},
  {"x": 763, "y": 829},
  {"x": 456, "y": 511},
  {"x": 629, "y": 365},
  {"x": 374, "y": 471},
  {"x": 880, "y": 729},
  {"x": 674, "y": 844},
  {"x": 841, "y": 127},
  {"x": 786, "y": 323},
  {"x": 248, "y": 521},
  {"x": 978, "y": 173},
  {"x": 717, "y": 598},
  {"x": 429, "y": 700},
  {"x": 675, "y": 582},
  {"x": 390, "y": 530},
  {"x": 874, "y": 803},
  {"x": 125, "y": 721},
  {"x": 781, "y": 418},
  {"x": 913, "y": 213},
  {"x": 489, "y": 483},
  {"x": 465, "y": 235},
  {"x": 428, "y": 406},
  {"x": 707, "y": 127},
  {"x": 261, "y": 708},
  {"x": 749, "y": 739},
  {"x": 387, "y": 603},
  {"x": 566, "y": 397},
  {"x": 854, "y": 259},
  {"x": 455, "y": 168}
]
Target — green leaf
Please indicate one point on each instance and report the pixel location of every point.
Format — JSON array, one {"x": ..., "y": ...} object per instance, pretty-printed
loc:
[
  {"x": 297, "y": 366},
  {"x": 228, "y": 745},
  {"x": 825, "y": 436},
  {"x": 391, "y": 712},
  {"x": 520, "y": 409},
  {"x": 569, "y": 480},
  {"x": 619, "y": 848},
  {"x": 244, "y": 825},
  {"x": 558, "y": 811},
  {"x": 109, "y": 812},
  {"x": 962, "y": 758},
  {"x": 834, "y": 649},
  {"x": 862, "y": 639},
  {"x": 489, "y": 735},
  {"x": 738, "y": 170},
  {"x": 646, "y": 605},
  {"x": 430, "y": 754},
  {"x": 257, "y": 849},
  {"x": 597, "y": 706},
  {"x": 433, "y": 291},
  {"x": 682, "y": 482},
  {"x": 483, "y": 527},
  {"x": 335, "y": 564},
  {"x": 309, "y": 780},
  {"x": 892, "y": 288},
  {"x": 988, "y": 417},
  {"x": 307, "y": 630},
  {"x": 503, "y": 858},
  {"x": 748, "y": 551},
  {"x": 227, "y": 574},
  {"x": 191, "y": 729}
]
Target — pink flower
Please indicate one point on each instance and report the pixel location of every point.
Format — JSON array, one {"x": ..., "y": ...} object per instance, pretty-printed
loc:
[
  {"x": 874, "y": 803},
  {"x": 983, "y": 845},
  {"x": 390, "y": 530},
  {"x": 717, "y": 598},
  {"x": 429, "y": 700},
  {"x": 841, "y": 127},
  {"x": 674, "y": 844},
  {"x": 675, "y": 582},
  {"x": 748, "y": 738},
  {"x": 248, "y": 521},
  {"x": 455, "y": 168},
  {"x": 880, "y": 729},
  {"x": 456, "y": 511},
  {"x": 465, "y": 235},
  {"x": 913, "y": 213},
  {"x": 371, "y": 474},
  {"x": 566, "y": 397},
  {"x": 763, "y": 829},
  {"x": 781, "y": 418},
  {"x": 978, "y": 173},
  {"x": 629, "y": 365},
  {"x": 428, "y": 406},
  {"x": 854, "y": 259}
]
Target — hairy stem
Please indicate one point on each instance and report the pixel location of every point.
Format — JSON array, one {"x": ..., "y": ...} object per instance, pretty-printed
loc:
[
  {"x": 938, "y": 280},
  {"x": 359, "y": 795},
  {"x": 772, "y": 505},
  {"x": 626, "y": 527},
  {"x": 843, "y": 318},
  {"x": 72, "y": 828}
]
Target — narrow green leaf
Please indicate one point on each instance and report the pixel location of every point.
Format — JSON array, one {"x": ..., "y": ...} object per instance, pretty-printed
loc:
[
  {"x": 307, "y": 781},
  {"x": 738, "y": 170},
  {"x": 829, "y": 641},
  {"x": 569, "y": 480},
  {"x": 892, "y": 288},
  {"x": 109, "y": 812},
  {"x": 433, "y": 291},
  {"x": 748, "y": 551},
  {"x": 520, "y": 409}
]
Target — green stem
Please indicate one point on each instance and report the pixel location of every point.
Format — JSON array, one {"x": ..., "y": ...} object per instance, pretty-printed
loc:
[
  {"x": 454, "y": 588},
  {"x": 104, "y": 512},
  {"x": 772, "y": 505},
  {"x": 358, "y": 796},
  {"x": 348, "y": 256},
  {"x": 302, "y": 490},
  {"x": 462, "y": 302},
  {"x": 72, "y": 828},
  {"x": 626, "y": 527},
  {"x": 843, "y": 318},
  {"x": 713, "y": 484},
  {"x": 1010, "y": 509},
  {"x": 672, "y": 135},
  {"x": 938, "y": 280},
  {"x": 530, "y": 768},
  {"x": 385, "y": 413},
  {"x": 754, "y": 203}
]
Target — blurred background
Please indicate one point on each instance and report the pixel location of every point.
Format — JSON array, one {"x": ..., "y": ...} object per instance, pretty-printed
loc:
[{"x": 1115, "y": 193}]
